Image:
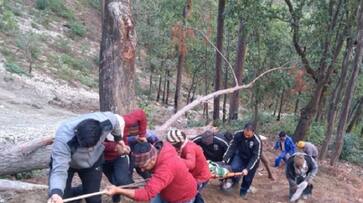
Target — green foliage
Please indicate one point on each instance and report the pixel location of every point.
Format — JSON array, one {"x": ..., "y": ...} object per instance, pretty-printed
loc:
[
  {"x": 95, "y": 4},
  {"x": 77, "y": 29},
  {"x": 63, "y": 45},
  {"x": 352, "y": 149},
  {"x": 316, "y": 133},
  {"x": 56, "y": 6},
  {"x": 30, "y": 44},
  {"x": 7, "y": 21},
  {"x": 14, "y": 68}
]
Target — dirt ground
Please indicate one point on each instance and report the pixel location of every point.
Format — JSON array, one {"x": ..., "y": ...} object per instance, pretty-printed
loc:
[{"x": 340, "y": 184}]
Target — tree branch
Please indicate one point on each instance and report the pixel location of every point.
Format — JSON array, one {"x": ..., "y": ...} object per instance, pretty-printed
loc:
[
  {"x": 196, "y": 102},
  {"x": 301, "y": 51},
  {"x": 224, "y": 58}
]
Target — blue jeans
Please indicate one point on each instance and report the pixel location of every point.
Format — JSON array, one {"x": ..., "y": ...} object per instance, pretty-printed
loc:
[
  {"x": 117, "y": 172},
  {"x": 238, "y": 165},
  {"x": 283, "y": 156},
  {"x": 158, "y": 199}
]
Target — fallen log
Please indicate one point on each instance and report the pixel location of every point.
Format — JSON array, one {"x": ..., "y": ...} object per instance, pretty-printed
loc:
[
  {"x": 35, "y": 154},
  {"x": 14, "y": 185}
]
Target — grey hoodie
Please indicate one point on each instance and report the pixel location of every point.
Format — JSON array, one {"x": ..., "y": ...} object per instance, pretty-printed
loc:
[{"x": 65, "y": 156}]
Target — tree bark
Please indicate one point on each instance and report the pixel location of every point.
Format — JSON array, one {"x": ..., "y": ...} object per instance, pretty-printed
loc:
[
  {"x": 151, "y": 80},
  {"x": 320, "y": 110},
  {"x": 281, "y": 104},
  {"x": 181, "y": 57},
  {"x": 159, "y": 89},
  {"x": 218, "y": 70},
  {"x": 167, "y": 86},
  {"x": 13, "y": 185},
  {"x": 238, "y": 70},
  {"x": 225, "y": 83},
  {"x": 297, "y": 103},
  {"x": 335, "y": 99},
  {"x": 191, "y": 87},
  {"x": 117, "y": 58},
  {"x": 164, "y": 85},
  {"x": 357, "y": 116},
  {"x": 350, "y": 88}
]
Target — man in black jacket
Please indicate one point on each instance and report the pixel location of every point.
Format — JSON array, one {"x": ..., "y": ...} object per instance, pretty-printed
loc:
[
  {"x": 300, "y": 171},
  {"x": 244, "y": 154},
  {"x": 214, "y": 145}
]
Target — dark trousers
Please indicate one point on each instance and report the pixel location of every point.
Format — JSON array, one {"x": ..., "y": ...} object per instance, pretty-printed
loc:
[
  {"x": 91, "y": 181},
  {"x": 238, "y": 165},
  {"x": 117, "y": 172}
]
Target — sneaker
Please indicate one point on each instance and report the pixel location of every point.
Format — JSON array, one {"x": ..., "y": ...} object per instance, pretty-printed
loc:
[
  {"x": 243, "y": 194},
  {"x": 227, "y": 184}
]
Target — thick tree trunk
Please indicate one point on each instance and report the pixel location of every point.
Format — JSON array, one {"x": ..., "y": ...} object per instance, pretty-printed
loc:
[
  {"x": 26, "y": 157},
  {"x": 281, "y": 104},
  {"x": 159, "y": 89},
  {"x": 350, "y": 88},
  {"x": 335, "y": 99},
  {"x": 356, "y": 116},
  {"x": 117, "y": 58},
  {"x": 238, "y": 70},
  {"x": 181, "y": 57},
  {"x": 219, "y": 43}
]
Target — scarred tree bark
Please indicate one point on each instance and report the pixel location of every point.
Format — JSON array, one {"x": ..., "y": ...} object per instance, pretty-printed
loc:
[
  {"x": 117, "y": 58},
  {"x": 238, "y": 70},
  {"x": 350, "y": 88},
  {"x": 218, "y": 70}
]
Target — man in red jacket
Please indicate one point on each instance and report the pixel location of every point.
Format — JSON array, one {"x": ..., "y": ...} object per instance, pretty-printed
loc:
[
  {"x": 192, "y": 155},
  {"x": 118, "y": 167},
  {"x": 170, "y": 181}
]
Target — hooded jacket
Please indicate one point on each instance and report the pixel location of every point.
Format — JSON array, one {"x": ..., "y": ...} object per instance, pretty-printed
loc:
[{"x": 195, "y": 161}]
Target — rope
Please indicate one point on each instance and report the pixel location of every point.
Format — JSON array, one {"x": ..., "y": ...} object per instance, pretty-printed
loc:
[{"x": 132, "y": 185}]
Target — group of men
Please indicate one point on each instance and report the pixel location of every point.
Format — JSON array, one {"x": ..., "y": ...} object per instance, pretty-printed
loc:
[
  {"x": 301, "y": 167},
  {"x": 176, "y": 169}
]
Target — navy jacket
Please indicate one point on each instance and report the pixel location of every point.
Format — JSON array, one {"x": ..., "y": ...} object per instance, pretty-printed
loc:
[{"x": 248, "y": 149}]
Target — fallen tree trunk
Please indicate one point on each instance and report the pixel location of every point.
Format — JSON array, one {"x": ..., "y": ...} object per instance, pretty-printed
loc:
[
  {"x": 6, "y": 185},
  {"x": 35, "y": 154}
]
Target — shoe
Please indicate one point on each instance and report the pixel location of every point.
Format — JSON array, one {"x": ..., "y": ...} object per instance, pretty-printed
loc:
[
  {"x": 227, "y": 184},
  {"x": 243, "y": 195}
]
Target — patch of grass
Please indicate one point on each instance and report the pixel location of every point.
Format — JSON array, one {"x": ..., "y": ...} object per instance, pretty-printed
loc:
[
  {"x": 77, "y": 29},
  {"x": 56, "y": 6},
  {"x": 8, "y": 23},
  {"x": 63, "y": 44},
  {"x": 87, "y": 80},
  {"x": 14, "y": 68},
  {"x": 96, "y": 4}
]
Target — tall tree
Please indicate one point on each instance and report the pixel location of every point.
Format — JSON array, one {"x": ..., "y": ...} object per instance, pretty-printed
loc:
[
  {"x": 238, "y": 69},
  {"x": 327, "y": 59},
  {"x": 356, "y": 116},
  {"x": 350, "y": 87},
  {"x": 218, "y": 70},
  {"x": 182, "y": 53},
  {"x": 117, "y": 57}
]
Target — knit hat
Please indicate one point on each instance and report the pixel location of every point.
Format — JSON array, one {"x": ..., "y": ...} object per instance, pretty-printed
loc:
[
  {"x": 176, "y": 136},
  {"x": 301, "y": 144},
  {"x": 143, "y": 152}
]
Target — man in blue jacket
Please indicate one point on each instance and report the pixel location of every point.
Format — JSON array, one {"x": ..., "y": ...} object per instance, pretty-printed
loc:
[
  {"x": 286, "y": 146},
  {"x": 244, "y": 154}
]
